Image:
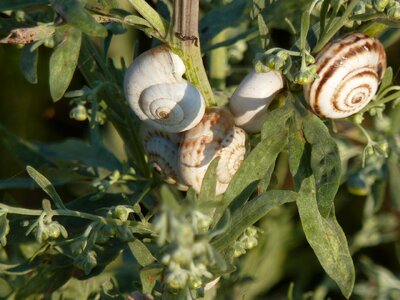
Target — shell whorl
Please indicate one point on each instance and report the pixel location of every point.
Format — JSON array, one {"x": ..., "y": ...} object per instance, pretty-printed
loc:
[
  {"x": 349, "y": 70},
  {"x": 162, "y": 149},
  {"x": 250, "y": 101},
  {"x": 159, "y": 95},
  {"x": 214, "y": 136}
]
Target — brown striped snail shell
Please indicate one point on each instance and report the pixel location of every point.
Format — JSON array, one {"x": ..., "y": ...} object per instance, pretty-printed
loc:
[
  {"x": 159, "y": 95},
  {"x": 349, "y": 70},
  {"x": 162, "y": 149},
  {"x": 250, "y": 101},
  {"x": 214, "y": 136}
]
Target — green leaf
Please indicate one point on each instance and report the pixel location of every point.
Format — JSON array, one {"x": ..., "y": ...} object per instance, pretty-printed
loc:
[
  {"x": 18, "y": 4},
  {"x": 263, "y": 31},
  {"x": 23, "y": 151},
  {"x": 386, "y": 80},
  {"x": 141, "y": 253},
  {"x": 297, "y": 154},
  {"x": 46, "y": 186},
  {"x": 325, "y": 162},
  {"x": 208, "y": 185},
  {"x": 28, "y": 63},
  {"x": 76, "y": 15},
  {"x": 148, "y": 277},
  {"x": 326, "y": 238},
  {"x": 250, "y": 213},
  {"x": 63, "y": 62}
]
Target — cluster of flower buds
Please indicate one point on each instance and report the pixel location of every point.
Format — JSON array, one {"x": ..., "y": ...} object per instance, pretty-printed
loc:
[
  {"x": 44, "y": 228},
  {"x": 188, "y": 260},
  {"x": 390, "y": 7},
  {"x": 275, "y": 59},
  {"x": 80, "y": 112},
  {"x": 247, "y": 240}
]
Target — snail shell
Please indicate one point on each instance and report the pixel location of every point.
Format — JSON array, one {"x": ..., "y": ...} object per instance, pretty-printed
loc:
[
  {"x": 214, "y": 136},
  {"x": 250, "y": 101},
  {"x": 349, "y": 70},
  {"x": 162, "y": 149},
  {"x": 159, "y": 95}
]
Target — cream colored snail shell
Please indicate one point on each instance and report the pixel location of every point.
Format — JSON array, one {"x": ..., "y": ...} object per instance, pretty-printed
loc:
[
  {"x": 250, "y": 101},
  {"x": 159, "y": 95},
  {"x": 349, "y": 70},
  {"x": 214, "y": 136},
  {"x": 162, "y": 149}
]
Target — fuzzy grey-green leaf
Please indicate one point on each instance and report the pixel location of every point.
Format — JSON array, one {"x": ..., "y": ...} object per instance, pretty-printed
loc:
[
  {"x": 28, "y": 63},
  {"x": 326, "y": 238},
  {"x": 63, "y": 63}
]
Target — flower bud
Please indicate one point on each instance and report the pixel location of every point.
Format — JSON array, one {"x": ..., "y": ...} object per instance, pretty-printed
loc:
[
  {"x": 394, "y": 11},
  {"x": 380, "y": 5},
  {"x": 121, "y": 212},
  {"x": 78, "y": 113},
  {"x": 177, "y": 279}
]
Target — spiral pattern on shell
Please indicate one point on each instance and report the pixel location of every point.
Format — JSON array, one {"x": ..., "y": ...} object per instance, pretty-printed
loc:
[
  {"x": 159, "y": 95},
  {"x": 214, "y": 136},
  {"x": 349, "y": 70},
  {"x": 162, "y": 149}
]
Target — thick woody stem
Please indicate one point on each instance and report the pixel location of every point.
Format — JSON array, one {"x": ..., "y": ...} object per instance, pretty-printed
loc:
[{"x": 186, "y": 42}]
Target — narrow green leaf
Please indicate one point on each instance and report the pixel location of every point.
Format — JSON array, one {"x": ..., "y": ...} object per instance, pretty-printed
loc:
[
  {"x": 19, "y": 4},
  {"x": 263, "y": 31},
  {"x": 386, "y": 80},
  {"x": 305, "y": 25},
  {"x": 208, "y": 185},
  {"x": 325, "y": 162},
  {"x": 63, "y": 62},
  {"x": 326, "y": 238},
  {"x": 23, "y": 151},
  {"x": 256, "y": 164},
  {"x": 76, "y": 15},
  {"x": 323, "y": 14},
  {"x": 141, "y": 253},
  {"x": 28, "y": 63},
  {"x": 250, "y": 213},
  {"x": 148, "y": 277},
  {"x": 46, "y": 186}
]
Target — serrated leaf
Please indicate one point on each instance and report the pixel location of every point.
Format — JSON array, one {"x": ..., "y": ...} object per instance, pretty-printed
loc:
[
  {"x": 250, "y": 213},
  {"x": 46, "y": 186},
  {"x": 28, "y": 63},
  {"x": 63, "y": 63},
  {"x": 326, "y": 238},
  {"x": 76, "y": 15},
  {"x": 324, "y": 161},
  {"x": 141, "y": 253},
  {"x": 18, "y": 4}
]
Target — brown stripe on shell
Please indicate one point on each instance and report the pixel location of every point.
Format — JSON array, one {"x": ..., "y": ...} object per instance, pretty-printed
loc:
[
  {"x": 371, "y": 45},
  {"x": 335, "y": 102}
]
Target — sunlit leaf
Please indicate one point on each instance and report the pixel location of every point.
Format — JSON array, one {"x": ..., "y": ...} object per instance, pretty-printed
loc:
[
  {"x": 63, "y": 62},
  {"x": 326, "y": 238}
]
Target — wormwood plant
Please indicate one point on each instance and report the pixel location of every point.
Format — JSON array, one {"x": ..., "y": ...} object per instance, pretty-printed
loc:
[{"x": 127, "y": 234}]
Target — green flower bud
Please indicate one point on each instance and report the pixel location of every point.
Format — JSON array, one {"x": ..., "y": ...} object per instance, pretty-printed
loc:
[
  {"x": 78, "y": 113},
  {"x": 182, "y": 256},
  {"x": 177, "y": 279},
  {"x": 53, "y": 230},
  {"x": 41, "y": 234},
  {"x": 394, "y": 11},
  {"x": 121, "y": 212},
  {"x": 49, "y": 42},
  {"x": 306, "y": 76},
  {"x": 195, "y": 282},
  {"x": 101, "y": 117},
  {"x": 380, "y": 5},
  {"x": 250, "y": 243}
]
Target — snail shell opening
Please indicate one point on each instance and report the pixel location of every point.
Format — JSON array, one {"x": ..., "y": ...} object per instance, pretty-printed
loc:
[{"x": 349, "y": 70}]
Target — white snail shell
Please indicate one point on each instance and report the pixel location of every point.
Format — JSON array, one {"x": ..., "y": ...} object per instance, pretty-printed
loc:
[
  {"x": 214, "y": 136},
  {"x": 162, "y": 149},
  {"x": 159, "y": 95},
  {"x": 349, "y": 70},
  {"x": 250, "y": 101}
]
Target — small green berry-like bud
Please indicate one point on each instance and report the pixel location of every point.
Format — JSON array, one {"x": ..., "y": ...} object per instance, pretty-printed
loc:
[
  {"x": 177, "y": 279},
  {"x": 380, "y": 5},
  {"x": 78, "y": 113},
  {"x": 121, "y": 212}
]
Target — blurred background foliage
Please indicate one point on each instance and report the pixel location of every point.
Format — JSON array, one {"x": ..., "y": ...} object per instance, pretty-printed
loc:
[{"x": 283, "y": 265}]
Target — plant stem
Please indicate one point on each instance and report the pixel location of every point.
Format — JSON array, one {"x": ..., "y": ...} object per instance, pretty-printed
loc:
[
  {"x": 147, "y": 12},
  {"x": 69, "y": 213},
  {"x": 185, "y": 41}
]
